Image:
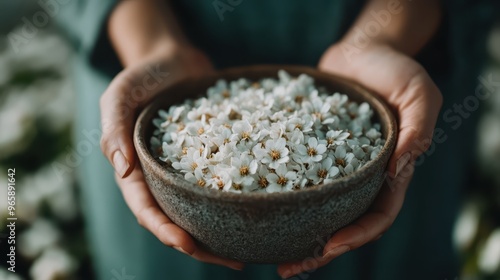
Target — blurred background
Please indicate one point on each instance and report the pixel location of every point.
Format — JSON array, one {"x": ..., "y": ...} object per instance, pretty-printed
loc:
[{"x": 36, "y": 113}]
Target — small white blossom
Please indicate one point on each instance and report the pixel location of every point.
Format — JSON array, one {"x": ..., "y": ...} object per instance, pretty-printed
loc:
[
  {"x": 274, "y": 154},
  {"x": 281, "y": 179},
  {"x": 323, "y": 172},
  {"x": 271, "y": 135},
  {"x": 243, "y": 168},
  {"x": 336, "y": 137}
]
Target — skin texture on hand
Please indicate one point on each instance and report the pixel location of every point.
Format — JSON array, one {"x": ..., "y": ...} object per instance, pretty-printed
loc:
[
  {"x": 126, "y": 95},
  {"x": 416, "y": 102}
]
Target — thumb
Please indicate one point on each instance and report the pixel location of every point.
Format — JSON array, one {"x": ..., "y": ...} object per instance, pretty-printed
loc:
[
  {"x": 116, "y": 121},
  {"x": 418, "y": 110},
  {"x": 130, "y": 90}
]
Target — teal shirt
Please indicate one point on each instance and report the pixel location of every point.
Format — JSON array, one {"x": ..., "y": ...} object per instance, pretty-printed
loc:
[{"x": 418, "y": 245}]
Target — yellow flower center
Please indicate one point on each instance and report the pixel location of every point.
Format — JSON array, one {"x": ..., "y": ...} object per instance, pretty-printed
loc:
[
  {"x": 263, "y": 182},
  {"x": 282, "y": 180},
  {"x": 275, "y": 155},
  {"x": 244, "y": 170},
  {"x": 322, "y": 173},
  {"x": 312, "y": 152},
  {"x": 245, "y": 136}
]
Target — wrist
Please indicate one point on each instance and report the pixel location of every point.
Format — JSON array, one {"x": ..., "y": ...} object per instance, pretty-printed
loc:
[
  {"x": 161, "y": 48},
  {"x": 344, "y": 58}
]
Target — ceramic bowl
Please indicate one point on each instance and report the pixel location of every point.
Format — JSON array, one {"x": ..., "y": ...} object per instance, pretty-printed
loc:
[{"x": 262, "y": 227}]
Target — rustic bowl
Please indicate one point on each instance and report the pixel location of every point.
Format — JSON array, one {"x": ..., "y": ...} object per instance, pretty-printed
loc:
[{"x": 261, "y": 227}]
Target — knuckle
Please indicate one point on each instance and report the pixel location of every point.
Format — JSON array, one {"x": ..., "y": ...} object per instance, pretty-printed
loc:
[
  {"x": 140, "y": 221},
  {"x": 106, "y": 146},
  {"x": 141, "y": 217}
]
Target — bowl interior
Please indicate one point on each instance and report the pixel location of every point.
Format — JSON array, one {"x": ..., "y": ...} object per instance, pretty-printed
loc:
[{"x": 193, "y": 88}]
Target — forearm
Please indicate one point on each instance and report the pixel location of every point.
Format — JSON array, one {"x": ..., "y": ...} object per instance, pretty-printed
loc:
[
  {"x": 404, "y": 25},
  {"x": 138, "y": 28}
]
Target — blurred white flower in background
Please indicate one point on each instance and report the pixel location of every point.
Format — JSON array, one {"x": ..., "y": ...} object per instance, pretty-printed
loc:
[
  {"x": 489, "y": 257},
  {"x": 3, "y": 202},
  {"x": 466, "y": 226},
  {"x": 36, "y": 110},
  {"x": 49, "y": 99},
  {"x": 47, "y": 186},
  {"x": 53, "y": 264},
  {"x": 41, "y": 235},
  {"x": 489, "y": 145},
  {"x": 46, "y": 51},
  {"x": 7, "y": 275},
  {"x": 16, "y": 118}
]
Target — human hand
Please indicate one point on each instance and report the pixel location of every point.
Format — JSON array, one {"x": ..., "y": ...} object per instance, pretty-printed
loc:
[
  {"x": 416, "y": 101},
  {"x": 129, "y": 91}
]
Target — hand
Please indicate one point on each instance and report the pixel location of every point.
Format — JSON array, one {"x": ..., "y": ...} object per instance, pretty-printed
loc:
[
  {"x": 130, "y": 90},
  {"x": 416, "y": 101}
]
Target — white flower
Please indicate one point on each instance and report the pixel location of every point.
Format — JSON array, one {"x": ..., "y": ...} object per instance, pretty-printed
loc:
[
  {"x": 282, "y": 178},
  {"x": 221, "y": 178},
  {"x": 198, "y": 178},
  {"x": 266, "y": 136},
  {"x": 489, "y": 256},
  {"x": 7, "y": 275},
  {"x": 274, "y": 154},
  {"x": 323, "y": 172},
  {"x": 311, "y": 153},
  {"x": 341, "y": 157},
  {"x": 303, "y": 123},
  {"x": 53, "y": 264},
  {"x": 243, "y": 168},
  {"x": 195, "y": 159},
  {"x": 223, "y": 137},
  {"x": 42, "y": 234},
  {"x": 243, "y": 131},
  {"x": 373, "y": 134},
  {"x": 351, "y": 166},
  {"x": 336, "y": 137},
  {"x": 261, "y": 177}
]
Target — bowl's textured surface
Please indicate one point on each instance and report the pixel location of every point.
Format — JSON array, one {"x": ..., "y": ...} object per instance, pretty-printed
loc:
[{"x": 259, "y": 227}]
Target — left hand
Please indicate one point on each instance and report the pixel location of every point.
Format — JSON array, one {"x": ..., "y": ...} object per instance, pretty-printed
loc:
[{"x": 416, "y": 101}]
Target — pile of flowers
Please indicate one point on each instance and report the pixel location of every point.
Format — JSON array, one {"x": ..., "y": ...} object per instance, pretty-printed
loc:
[{"x": 274, "y": 135}]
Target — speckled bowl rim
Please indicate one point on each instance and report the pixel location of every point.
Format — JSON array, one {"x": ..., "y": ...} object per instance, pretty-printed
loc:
[{"x": 338, "y": 186}]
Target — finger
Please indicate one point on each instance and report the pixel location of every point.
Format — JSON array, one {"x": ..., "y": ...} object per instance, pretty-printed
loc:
[
  {"x": 150, "y": 216},
  {"x": 129, "y": 91},
  {"x": 418, "y": 108},
  {"x": 207, "y": 257},
  {"x": 375, "y": 221},
  {"x": 117, "y": 115},
  {"x": 368, "y": 228},
  {"x": 287, "y": 270}
]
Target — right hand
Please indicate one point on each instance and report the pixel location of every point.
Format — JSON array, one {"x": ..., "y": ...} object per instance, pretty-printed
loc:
[{"x": 129, "y": 91}]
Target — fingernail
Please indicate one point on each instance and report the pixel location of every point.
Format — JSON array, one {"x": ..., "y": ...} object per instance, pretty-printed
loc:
[
  {"x": 402, "y": 161},
  {"x": 120, "y": 164},
  {"x": 335, "y": 252}
]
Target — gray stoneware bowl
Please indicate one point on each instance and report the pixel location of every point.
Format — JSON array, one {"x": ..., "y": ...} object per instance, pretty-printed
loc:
[{"x": 261, "y": 227}]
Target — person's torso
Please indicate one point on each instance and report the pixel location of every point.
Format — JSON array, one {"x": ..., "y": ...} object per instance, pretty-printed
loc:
[{"x": 239, "y": 32}]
